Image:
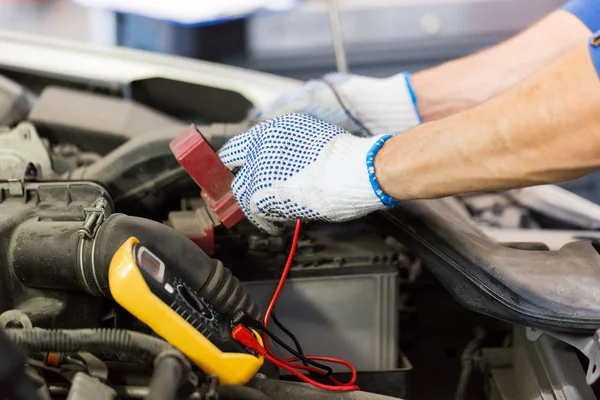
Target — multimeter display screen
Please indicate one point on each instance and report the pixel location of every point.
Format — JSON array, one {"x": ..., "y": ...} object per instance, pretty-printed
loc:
[{"x": 151, "y": 264}]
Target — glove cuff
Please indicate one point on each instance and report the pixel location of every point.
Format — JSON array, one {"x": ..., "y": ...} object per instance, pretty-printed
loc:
[
  {"x": 386, "y": 199},
  {"x": 413, "y": 96},
  {"x": 383, "y": 105}
]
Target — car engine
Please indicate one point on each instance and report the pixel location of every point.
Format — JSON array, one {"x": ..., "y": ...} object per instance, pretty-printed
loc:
[{"x": 126, "y": 271}]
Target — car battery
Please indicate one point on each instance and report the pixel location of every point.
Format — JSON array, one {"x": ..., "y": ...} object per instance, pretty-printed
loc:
[{"x": 341, "y": 296}]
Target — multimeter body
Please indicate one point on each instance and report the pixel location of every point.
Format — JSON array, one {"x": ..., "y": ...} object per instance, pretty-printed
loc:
[{"x": 145, "y": 286}]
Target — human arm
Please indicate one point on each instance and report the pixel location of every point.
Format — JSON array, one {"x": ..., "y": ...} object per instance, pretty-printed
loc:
[
  {"x": 544, "y": 130},
  {"x": 373, "y": 106},
  {"x": 463, "y": 83}
]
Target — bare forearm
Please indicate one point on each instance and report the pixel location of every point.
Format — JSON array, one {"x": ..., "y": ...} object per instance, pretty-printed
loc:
[
  {"x": 461, "y": 84},
  {"x": 545, "y": 129}
]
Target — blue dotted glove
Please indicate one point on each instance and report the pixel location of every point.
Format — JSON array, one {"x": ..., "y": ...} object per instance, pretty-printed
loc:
[
  {"x": 296, "y": 166},
  {"x": 362, "y": 105}
]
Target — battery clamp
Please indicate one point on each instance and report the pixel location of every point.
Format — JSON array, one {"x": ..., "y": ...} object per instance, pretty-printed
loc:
[{"x": 202, "y": 163}]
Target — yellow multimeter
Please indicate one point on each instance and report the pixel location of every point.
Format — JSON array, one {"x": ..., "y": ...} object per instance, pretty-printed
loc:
[{"x": 146, "y": 287}]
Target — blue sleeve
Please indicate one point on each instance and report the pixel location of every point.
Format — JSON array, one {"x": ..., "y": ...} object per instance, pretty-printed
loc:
[
  {"x": 588, "y": 11},
  {"x": 595, "y": 51}
]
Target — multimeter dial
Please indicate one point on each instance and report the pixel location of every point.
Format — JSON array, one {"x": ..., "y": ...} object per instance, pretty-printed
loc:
[
  {"x": 195, "y": 302},
  {"x": 195, "y": 310}
]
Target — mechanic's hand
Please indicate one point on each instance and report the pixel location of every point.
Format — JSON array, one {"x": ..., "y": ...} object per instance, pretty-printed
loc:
[
  {"x": 362, "y": 105},
  {"x": 296, "y": 166}
]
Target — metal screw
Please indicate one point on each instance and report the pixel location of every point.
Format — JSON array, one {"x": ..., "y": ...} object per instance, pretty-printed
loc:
[{"x": 95, "y": 213}]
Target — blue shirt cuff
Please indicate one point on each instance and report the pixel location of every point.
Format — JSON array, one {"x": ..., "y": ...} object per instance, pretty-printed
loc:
[
  {"x": 595, "y": 51},
  {"x": 588, "y": 11}
]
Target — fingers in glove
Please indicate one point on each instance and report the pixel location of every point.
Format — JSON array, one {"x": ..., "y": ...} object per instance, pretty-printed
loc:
[
  {"x": 235, "y": 151},
  {"x": 296, "y": 101},
  {"x": 337, "y": 78},
  {"x": 266, "y": 225},
  {"x": 250, "y": 208}
]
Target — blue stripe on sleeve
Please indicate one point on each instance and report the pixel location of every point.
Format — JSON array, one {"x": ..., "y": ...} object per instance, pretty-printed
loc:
[
  {"x": 588, "y": 11},
  {"x": 595, "y": 51}
]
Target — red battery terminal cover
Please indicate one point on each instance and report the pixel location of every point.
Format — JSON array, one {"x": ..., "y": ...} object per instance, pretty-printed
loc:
[{"x": 202, "y": 163}]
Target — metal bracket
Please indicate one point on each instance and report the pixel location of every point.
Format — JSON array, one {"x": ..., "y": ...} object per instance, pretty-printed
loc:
[
  {"x": 94, "y": 217},
  {"x": 589, "y": 346}
]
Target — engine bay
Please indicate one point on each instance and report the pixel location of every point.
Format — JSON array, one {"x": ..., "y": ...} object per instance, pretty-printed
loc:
[{"x": 121, "y": 278}]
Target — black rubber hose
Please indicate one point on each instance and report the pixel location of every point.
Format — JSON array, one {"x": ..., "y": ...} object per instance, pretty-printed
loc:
[
  {"x": 117, "y": 340},
  {"x": 208, "y": 277},
  {"x": 129, "y": 168},
  {"x": 50, "y": 255},
  {"x": 91, "y": 340},
  {"x": 44, "y": 254},
  {"x": 166, "y": 378}
]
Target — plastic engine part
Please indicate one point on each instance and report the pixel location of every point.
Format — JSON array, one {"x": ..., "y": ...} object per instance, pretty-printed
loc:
[
  {"x": 203, "y": 164},
  {"x": 197, "y": 225}
]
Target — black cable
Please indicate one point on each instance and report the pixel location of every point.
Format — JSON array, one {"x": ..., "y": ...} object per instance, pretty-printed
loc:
[
  {"x": 145, "y": 347},
  {"x": 301, "y": 357},
  {"x": 287, "y": 332},
  {"x": 246, "y": 320},
  {"x": 366, "y": 132}
]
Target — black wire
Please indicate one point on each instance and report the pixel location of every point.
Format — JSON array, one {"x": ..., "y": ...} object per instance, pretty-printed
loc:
[
  {"x": 346, "y": 110},
  {"x": 293, "y": 352},
  {"x": 250, "y": 322},
  {"x": 288, "y": 333}
]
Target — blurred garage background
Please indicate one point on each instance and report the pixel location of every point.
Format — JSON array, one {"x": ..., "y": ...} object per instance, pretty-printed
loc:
[{"x": 288, "y": 37}]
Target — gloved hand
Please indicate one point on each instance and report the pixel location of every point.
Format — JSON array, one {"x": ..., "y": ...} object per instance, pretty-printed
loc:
[
  {"x": 362, "y": 105},
  {"x": 296, "y": 166}
]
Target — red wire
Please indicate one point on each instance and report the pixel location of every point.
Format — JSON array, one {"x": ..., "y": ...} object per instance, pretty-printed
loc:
[
  {"x": 244, "y": 336},
  {"x": 281, "y": 364},
  {"x": 289, "y": 364},
  {"x": 284, "y": 274},
  {"x": 330, "y": 360}
]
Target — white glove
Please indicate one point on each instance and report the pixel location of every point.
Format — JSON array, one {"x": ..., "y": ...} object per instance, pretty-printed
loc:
[
  {"x": 362, "y": 105},
  {"x": 296, "y": 166}
]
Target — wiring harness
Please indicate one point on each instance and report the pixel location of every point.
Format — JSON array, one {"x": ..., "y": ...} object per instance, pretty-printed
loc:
[{"x": 300, "y": 362}]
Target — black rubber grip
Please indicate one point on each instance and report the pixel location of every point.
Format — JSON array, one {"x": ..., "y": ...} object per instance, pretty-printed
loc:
[{"x": 226, "y": 294}]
